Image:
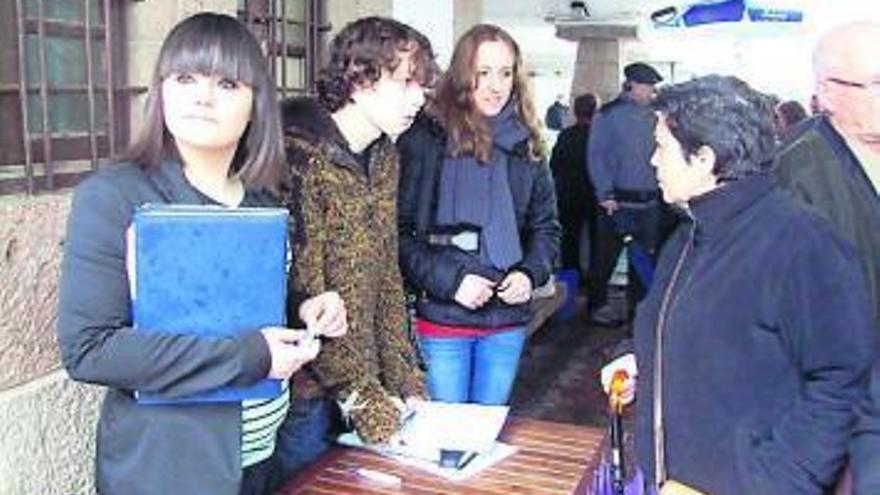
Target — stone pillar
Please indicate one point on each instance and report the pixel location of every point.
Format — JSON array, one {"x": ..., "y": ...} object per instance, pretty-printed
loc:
[
  {"x": 465, "y": 14},
  {"x": 600, "y": 56},
  {"x": 341, "y": 12}
]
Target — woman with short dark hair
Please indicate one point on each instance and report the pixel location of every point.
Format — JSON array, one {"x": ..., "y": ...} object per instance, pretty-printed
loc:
[{"x": 756, "y": 338}]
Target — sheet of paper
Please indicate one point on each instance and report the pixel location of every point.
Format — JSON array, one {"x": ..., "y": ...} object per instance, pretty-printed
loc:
[
  {"x": 465, "y": 427},
  {"x": 470, "y": 428}
]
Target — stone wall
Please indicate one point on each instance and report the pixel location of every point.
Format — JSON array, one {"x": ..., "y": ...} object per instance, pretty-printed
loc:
[{"x": 47, "y": 422}]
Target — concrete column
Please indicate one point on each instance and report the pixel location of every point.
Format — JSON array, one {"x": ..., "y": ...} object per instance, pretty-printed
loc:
[
  {"x": 341, "y": 12},
  {"x": 600, "y": 56},
  {"x": 465, "y": 14}
]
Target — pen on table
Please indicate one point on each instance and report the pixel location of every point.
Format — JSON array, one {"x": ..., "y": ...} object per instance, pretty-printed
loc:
[
  {"x": 466, "y": 459},
  {"x": 378, "y": 476}
]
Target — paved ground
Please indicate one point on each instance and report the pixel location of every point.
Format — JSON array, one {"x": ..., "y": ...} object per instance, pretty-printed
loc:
[
  {"x": 559, "y": 372},
  {"x": 559, "y": 375}
]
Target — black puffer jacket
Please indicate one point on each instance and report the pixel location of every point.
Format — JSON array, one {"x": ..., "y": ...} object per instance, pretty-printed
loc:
[{"x": 433, "y": 273}]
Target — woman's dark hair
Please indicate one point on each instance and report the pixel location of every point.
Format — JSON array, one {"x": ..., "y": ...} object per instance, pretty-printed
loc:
[
  {"x": 585, "y": 106},
  {"x": 790, "y": 113},
  {"x": 215, "y": 44},
  {"x": 468, "y": 129},
  {"x": 725, "y": 114},
  {"x": 363, "y": 49}
]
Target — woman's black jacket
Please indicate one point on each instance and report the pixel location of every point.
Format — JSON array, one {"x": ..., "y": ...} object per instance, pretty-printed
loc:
[{"x": 434, "y": 272}]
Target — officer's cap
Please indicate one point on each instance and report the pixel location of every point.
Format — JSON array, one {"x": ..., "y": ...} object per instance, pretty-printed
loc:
[{"x": 639, "y": 72}]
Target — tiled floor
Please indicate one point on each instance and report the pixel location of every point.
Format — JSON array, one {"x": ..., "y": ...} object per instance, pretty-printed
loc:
[
  {"x": 559, "y": 372},
  {"x": 559, "y": 376}
]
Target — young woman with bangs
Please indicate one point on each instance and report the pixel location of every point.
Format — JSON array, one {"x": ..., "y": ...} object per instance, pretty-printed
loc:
[
  {"x": 477, "y": 220},
  {"x": 211, "y": 135}
]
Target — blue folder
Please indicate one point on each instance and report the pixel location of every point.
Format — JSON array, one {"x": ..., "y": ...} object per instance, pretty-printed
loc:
[{"x": 212, "y": 271}]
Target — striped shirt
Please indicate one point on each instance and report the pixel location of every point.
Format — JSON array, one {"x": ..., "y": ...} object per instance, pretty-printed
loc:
[{"x": 261, "y": 419}]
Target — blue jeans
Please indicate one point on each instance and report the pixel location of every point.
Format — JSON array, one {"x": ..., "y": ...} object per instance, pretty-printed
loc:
[
  {"x": 473, "y": 369},
  {"x": 302, "y": 437}
]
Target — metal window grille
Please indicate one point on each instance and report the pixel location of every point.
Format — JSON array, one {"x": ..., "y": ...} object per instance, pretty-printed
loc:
[
  {"x": 61, "y": 100},
  {"x": 291, "y": 33}
]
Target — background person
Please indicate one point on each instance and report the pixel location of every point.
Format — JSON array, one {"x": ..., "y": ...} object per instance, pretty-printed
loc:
[
  {"x": 575, "y": 196},
  {"x": 478, "y": 223},
  {"x": 787, "y": 115},
  {"x": 557, "y": 112},
  {"x": 618, "y": 158}
]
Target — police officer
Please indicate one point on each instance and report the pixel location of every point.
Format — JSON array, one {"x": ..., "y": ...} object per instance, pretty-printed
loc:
[{"x": 618, "y": 156}]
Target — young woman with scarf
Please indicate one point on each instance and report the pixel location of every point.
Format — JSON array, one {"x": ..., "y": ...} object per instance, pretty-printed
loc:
[{"x": 477, "y": 220}]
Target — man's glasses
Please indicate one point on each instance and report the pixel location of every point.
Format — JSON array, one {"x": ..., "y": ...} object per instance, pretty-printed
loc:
[{"x": 873, "y": 87}]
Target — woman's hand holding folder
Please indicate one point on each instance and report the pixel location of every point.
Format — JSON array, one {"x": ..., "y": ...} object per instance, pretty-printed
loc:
[{"x": 290, "y": 350}]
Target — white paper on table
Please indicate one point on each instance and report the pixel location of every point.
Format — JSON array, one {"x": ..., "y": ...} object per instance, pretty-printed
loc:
[
  {"x": 470, "y": 428},
  {"x": 465, "y": 427}
]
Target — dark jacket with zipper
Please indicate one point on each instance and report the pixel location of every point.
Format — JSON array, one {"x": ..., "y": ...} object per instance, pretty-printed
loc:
[
  {"x": 433, "y": 273},
  {"x": 194, "y": 449},
  {"x": 765, "y": 333}
]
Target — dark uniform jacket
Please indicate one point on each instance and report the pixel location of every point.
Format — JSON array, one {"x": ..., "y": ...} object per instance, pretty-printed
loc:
[
  {"x": 767, "y": 338},
  {"x": 435, "y": 272},
  {"x": 193, "y": 449},
  {"x": 818, "y": 168},
  {"x": 346, "y": 241},
  {"x": 620, "y": 147}
]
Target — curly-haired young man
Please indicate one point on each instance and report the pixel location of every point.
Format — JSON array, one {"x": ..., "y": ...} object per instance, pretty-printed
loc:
[{"x": 343, "y": 173}]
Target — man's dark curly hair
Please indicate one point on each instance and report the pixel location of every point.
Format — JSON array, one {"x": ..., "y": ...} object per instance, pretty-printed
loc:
[
  {"x": 365, "y": 47},
  {"x": 725, "y": 114}
]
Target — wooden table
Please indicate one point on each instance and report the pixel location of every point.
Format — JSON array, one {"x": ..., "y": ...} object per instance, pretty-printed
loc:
[{"x": 553, "y": 458}]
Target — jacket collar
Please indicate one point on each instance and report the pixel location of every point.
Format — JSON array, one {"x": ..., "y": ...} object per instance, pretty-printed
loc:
[
  {"x": 713, "y": 210},
  {"x": 172, "y": 184},
  {"x": 306, "y": 119},
  {"x": 841, "y": 150}
]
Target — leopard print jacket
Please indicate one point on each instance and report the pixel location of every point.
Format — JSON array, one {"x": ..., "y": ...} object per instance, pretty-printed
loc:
[{"x": 345, "y": 240}]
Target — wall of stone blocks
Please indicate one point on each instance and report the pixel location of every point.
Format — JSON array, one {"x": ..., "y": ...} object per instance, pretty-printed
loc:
[{"x": 47, "y": 422}]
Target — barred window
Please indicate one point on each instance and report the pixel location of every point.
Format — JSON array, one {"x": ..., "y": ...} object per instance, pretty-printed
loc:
[
  {"x": 291, "y": 35},
  {"x": 61, "y": 102}
]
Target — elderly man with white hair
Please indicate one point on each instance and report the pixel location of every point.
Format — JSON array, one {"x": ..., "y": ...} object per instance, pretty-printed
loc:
[{"x": 834, "y": 165}]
